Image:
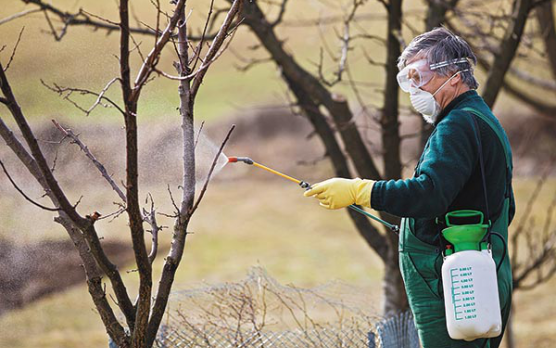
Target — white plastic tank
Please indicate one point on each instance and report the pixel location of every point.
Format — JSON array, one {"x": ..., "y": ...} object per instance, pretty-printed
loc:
[
  {"x": 470, "y": 285},
  {"x": 471, "y": 295}
]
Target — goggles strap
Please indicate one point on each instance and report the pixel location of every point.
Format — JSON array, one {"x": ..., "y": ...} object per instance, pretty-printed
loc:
[{"x": 448, "y": 62}]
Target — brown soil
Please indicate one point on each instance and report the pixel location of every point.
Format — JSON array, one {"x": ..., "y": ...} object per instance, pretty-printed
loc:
[{"x": 29, "y": 272}]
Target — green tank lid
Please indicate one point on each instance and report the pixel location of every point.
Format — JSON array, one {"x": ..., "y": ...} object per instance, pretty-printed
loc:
[{"x": 465, "y": 236}]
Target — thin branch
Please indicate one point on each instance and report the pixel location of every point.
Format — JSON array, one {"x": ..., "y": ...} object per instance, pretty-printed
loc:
[
  {"x": 549, "y": 84},
  {"x": 23, "y": 193},
  {"x": 149, "y": 64},
  {"x": 84, "y": 18},
  {"x": 66, "y": 92},
  {"x": 214, "y": 50},
  {"x": 150, "y": 218},
  {"x": 75, "y": 138},
  {"x": 57, "y": 36},
  {"x": 15, "y": 49},
  {"x": 19, "y": 15},
  {"x": 113, "y": 215},
  {"x": 101, "y": 95},
  {"x": 280, "y": 16},
  {"x": 200, "y": 45},
  {"x": 201, "y": 71},
  {"x": 215, "y": 160},
  {"x": 199, "y": 134},
  {"x": 173, "y": 201}
]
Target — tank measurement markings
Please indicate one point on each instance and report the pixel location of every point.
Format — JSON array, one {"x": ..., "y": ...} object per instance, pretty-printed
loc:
[{"x": 463, "y": 294}]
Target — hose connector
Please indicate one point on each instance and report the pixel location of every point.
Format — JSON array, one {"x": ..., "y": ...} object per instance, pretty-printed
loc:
[{"x": 246, "y": 160}]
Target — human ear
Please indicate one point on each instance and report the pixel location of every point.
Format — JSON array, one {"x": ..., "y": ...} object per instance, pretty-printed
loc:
[{"x": 456, "y": 79}]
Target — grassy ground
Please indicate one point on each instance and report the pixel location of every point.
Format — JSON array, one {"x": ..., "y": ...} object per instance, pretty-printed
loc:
[{"x": 267, "y": 223}]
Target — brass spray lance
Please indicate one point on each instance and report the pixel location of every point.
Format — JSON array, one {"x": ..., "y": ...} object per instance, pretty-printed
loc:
[{"x": 307, "y": 186}]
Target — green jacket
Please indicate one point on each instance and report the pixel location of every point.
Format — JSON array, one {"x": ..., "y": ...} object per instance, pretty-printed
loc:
[{"x": 447, "y": 176}]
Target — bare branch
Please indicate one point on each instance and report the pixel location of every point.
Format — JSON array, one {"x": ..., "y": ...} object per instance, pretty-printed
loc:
[
  {"x": 149, "y": 64},
  {"x": 66, "y": 92},
  {"x": 215, "y": 160},
  {"x": 150, "y": 218},
  {"x": 113, "y": 215},
  {"x": 75, "y": 139},
  {"x": 176, "y": 209},
  {"x": 100, "y": 96},
  {"x": 19, "y": 15},
  {"x": 15, "y": 49},
  {"x": 216, "y": 45},
  {"x": 200, "y": 45},
  {"x": 280, "y": 16},
  {"x": 57, "y": 36},
  {"x": 23, "y": 193},
  {"x": 199, "y": 134},
  {"x": 249, "y": 63},
  {"x": 549, "y": 84}
]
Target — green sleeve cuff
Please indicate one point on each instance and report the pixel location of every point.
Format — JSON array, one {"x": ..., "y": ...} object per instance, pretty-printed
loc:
[{"x": 377, "y": 196}]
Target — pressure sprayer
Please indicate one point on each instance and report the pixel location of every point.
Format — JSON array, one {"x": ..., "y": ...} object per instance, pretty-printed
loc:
[
  {"x": 469, "y": 279},
  {"x": 305, "y": 185}
]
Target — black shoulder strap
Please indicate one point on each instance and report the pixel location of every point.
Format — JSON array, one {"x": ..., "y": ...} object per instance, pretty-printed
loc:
[{"x": 482, "y": 165}]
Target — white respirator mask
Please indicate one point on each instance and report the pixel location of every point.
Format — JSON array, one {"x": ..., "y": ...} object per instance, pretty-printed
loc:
[
  {"x": 425, "y": 104},
  {"x": 418, "y": 74}
]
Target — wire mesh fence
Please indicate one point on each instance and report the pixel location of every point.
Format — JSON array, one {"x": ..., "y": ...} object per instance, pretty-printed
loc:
[{"x": 259, "y": 312}]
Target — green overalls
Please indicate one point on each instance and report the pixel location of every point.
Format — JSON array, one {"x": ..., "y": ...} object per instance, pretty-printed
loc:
[{"x": 420, "y": 264}]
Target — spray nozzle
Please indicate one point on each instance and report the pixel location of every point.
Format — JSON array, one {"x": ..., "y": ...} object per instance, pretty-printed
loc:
[{"x": 246, "y": 160}]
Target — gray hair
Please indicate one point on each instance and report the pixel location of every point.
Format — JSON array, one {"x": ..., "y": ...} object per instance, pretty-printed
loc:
[{"x": 441, "y": 45}]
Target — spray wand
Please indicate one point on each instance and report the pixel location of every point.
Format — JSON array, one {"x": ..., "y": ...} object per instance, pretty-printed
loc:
[{"x": 307, "y": 186}]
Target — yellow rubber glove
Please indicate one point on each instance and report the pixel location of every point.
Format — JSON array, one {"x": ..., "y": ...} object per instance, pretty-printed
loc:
[{"x": 338, "y": 193}]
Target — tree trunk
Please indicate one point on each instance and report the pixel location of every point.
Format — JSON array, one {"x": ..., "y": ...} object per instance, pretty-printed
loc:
[
  {"x": 506, "y": 53},
  {"x": 395, "y": 298},
  {"x": 510, "y": 338},
  {"x": 389, "y": 123}
]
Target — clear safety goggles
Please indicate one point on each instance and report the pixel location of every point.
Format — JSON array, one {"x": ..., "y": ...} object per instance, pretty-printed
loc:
[
  {"x": 414, "y": 75},
  {"x": 419, "y": 73}
]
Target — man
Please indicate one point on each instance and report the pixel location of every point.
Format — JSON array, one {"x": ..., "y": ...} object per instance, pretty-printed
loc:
[{"x": 437, "y": 72}]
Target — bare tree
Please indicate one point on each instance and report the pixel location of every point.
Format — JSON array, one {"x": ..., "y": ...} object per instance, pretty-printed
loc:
[{"x": 142, "y": 317}]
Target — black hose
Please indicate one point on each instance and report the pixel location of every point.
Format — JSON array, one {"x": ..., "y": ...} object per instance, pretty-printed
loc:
[{"x": 505, "y": 249}]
